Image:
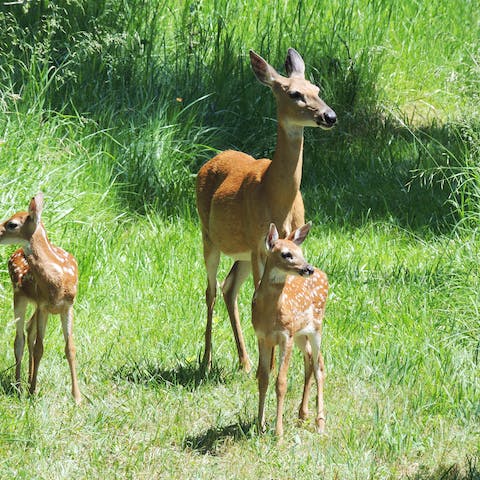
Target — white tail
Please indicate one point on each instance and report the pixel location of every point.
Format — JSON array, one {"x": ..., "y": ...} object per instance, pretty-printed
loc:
[
  {"x": 46, "y": 276},
  {"x": 288, "y": 306},
  {"x": 238, "y": 196}
]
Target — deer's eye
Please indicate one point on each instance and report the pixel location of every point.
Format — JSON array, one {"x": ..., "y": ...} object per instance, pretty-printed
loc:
[
  {"x": 294, "y": 95},
  {"x": 11, "y": 225},
  {"x": 287, "y": 255}
]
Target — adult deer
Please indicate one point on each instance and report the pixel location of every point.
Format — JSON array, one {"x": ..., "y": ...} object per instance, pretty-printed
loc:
[
  {"x": 46, "y": 276},
  {"x": 288, "y": 306},
  {"x": 238, "y": 196}
]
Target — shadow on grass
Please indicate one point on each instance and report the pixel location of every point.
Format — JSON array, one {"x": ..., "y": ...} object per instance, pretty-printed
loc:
[
  {"x": 387, "y": 173},
  {"x": 211, "y": 441},
  {"x": 190, "y": 376},
  {"x": 7, "y": 386},
  {"x": 470, "y": 471}
]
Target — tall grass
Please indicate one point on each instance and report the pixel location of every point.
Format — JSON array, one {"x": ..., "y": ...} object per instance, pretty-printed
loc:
[{"x": 111, "y": 107}]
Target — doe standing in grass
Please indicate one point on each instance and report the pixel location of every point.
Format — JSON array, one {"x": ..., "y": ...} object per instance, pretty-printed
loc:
[
  {"x": 288, "y": 306},
  {"x": 46, "y": 276},
  {"x": 238, "y": 196}
]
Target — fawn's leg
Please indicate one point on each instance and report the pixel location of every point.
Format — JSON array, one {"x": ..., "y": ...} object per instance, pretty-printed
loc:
[
  {"x": 281, "y": 386},
  {"x": 67, "y": 327},
  {"x": 304, "y": 345},
  {"x": 31, "y": 338},
  {"x": 263, "y": 374},
  {"x": 19, "y": 307},
  {"x": 319, "y": 372},
  {"x": 41, "y": 316}
]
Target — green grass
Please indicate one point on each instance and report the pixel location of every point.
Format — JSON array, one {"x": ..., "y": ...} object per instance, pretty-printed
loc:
[{"x": 120, "y": 103}]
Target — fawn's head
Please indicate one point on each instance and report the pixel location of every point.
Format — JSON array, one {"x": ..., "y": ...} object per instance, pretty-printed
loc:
[
  {"x": 20, "y": 227},
  {"x": 297, "y": 99},
  {"x": 284, "y": 256}
]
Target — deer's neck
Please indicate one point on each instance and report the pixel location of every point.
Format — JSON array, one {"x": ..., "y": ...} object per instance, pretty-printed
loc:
[
  {"x": 273, "y": 282},
  {"x": 284, "y": 175},
  {"x": 40, "y": 254}
]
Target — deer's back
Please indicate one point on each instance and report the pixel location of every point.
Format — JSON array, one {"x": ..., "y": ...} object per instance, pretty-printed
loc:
[
  {"x": 228, "y": 199},
  {"x": 54, "y": 287}
]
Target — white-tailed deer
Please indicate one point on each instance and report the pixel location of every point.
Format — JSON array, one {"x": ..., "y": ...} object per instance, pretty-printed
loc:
[
  {"x": 46, "y": 276},
  {"x": 238, "y": 196},
  {"x": 288, "y": 306}
]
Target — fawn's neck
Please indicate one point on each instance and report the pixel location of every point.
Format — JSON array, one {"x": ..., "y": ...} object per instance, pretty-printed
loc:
[
  {"x": 273, "y": 281},
  {"x": 40, "y": 254}
]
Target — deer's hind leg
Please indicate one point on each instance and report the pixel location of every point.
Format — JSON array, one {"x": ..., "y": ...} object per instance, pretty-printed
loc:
[
  {"x": 234, "y": 280},
  {"x": 31, "y": 338},
  {"x": 304, "y": 345},
  {"x": 319, "y": 373},
  {"x": 67, "y": 327},
  {"x": 41, "y": 322},
  {"x": 211, "y": 255}
]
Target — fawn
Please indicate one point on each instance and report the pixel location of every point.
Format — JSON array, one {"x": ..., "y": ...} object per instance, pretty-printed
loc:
[
  {"x": 46, "y": 276},
  {"x": 239, "y": 196},
  {"x": 288, "y": 306}
]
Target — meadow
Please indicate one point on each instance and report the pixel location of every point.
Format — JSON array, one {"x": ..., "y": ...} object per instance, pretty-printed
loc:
[{"x": 110, "y": 108}]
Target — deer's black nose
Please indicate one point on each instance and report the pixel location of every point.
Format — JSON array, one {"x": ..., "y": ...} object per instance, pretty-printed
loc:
[
  {"x": 330, "y": 117},
  {"x": 307, "y": 271}
]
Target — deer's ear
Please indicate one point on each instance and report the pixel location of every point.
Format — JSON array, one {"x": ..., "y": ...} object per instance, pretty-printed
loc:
[
  {"x": 264, "y": 72},
  {"x": 299, "y": 235},
  {"x": 35, "y": 208},
  {"x": 294, "y": 64},
  {"x": 272, "y": 237}
]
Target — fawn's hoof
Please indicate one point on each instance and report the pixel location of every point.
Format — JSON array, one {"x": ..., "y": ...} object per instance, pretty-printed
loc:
[{"x": 320, "y": 425}]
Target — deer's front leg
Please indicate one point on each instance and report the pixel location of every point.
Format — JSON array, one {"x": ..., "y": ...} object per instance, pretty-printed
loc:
[
  {"x": 263, "y": 374},
  {"x": 19, "y": 308},
  {"x": 281, "y": 387}
]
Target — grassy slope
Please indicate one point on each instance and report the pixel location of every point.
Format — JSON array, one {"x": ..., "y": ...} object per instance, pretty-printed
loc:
[{"x": 401, "y": 338}]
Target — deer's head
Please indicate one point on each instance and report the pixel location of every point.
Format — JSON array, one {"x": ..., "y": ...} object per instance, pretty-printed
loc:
[{"x": 298, "y": 100}]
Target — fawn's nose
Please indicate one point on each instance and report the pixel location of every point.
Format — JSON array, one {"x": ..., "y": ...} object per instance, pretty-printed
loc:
[
  {"x": 307, "y": 271},
  {"x": 330, "y": 117}
]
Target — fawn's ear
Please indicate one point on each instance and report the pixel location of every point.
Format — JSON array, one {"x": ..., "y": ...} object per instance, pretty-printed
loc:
[
  {"x": 264, "y": 72},
  {"x": 272, "y": 237},
  {"x": 299, "y": 235},
  {"x": 294, "y": 64},
  {"x": 35, "y": 208}
]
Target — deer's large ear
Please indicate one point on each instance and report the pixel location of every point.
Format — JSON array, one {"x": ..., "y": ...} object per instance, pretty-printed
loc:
[
  {"x": 264, "y": 72},
  {"x": 272, "y": 237},
  {"x": 299, "y": 235},
  {"x": 35, "y": 208},
  {"x": 294, "y": 64}
]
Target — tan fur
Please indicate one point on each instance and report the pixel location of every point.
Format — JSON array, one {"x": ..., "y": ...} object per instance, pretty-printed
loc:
[
  {"x": 238, "y": 196},
  {"x": 288, "y": 307},
  {"x": 46, "y": 276}
]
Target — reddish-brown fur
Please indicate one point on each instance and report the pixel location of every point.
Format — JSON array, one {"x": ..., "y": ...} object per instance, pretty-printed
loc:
[
  {"x": 46, "y": 276},
  {"x": 238, "y": 196}
]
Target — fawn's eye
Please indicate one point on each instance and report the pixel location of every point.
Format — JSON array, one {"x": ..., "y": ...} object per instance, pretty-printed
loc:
[
  {"x": 287, "y": 255},
  {"x": 11, "y": 225},
  {"x": 296, "y": 95}
]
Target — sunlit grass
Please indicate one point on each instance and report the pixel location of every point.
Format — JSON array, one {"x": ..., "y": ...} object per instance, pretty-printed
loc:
[{"x": 110, "y": 110}]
